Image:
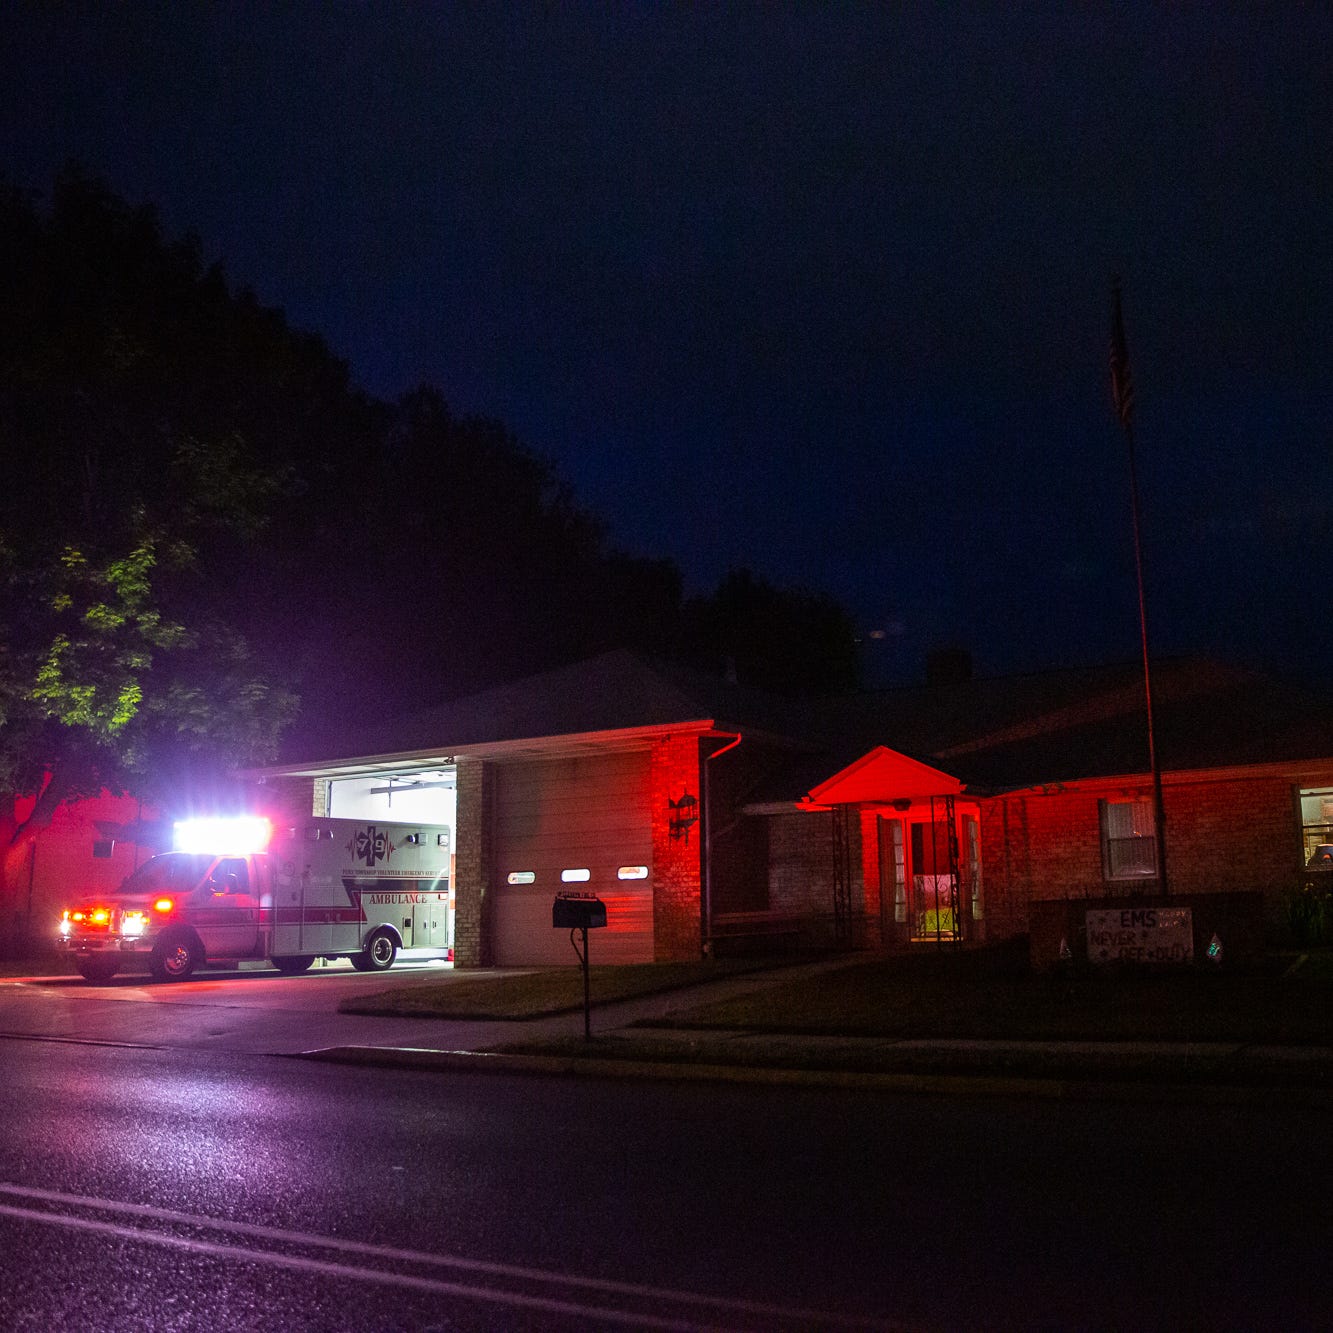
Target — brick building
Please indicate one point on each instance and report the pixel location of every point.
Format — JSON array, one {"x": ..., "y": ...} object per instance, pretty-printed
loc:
[{"x": 710, "y": 818}]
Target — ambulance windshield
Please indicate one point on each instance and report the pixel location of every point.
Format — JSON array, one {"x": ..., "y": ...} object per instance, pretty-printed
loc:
[{"x": 176, "y": 872}]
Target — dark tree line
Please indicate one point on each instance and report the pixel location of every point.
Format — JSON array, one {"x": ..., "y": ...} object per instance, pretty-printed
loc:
[{"x": 209, "y": 538}]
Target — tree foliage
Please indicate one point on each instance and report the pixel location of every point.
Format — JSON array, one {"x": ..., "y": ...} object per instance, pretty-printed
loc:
[
  {"x": 787, "y": 641},
  {"x": 129, "y": 479}
]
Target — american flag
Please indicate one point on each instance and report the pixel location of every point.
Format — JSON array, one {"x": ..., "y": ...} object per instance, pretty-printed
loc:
[{"x": 1122, "y": 386}]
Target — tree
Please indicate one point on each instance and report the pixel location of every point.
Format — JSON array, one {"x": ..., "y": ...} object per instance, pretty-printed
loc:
[
  {"x": 126, "y": 489},
  {"x": 475, "y": 542},
  {"x": 782, "y": 640}
]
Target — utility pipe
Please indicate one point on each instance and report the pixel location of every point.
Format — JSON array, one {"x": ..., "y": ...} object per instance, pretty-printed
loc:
[{"x": 708, "y": 841}]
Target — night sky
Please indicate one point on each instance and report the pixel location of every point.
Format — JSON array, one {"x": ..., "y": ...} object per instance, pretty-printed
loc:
[{"x": 821, "y": 292}]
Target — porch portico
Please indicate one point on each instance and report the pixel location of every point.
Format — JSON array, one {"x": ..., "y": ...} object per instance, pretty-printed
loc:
[{"x": 920, "y": 848}]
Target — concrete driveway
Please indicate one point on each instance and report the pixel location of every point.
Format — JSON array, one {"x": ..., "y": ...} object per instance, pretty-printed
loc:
[{"x": 253, "y": 1011}]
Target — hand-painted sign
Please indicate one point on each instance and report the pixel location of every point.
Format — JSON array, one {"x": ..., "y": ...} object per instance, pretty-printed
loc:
[{"x": 1141, "y": 935}]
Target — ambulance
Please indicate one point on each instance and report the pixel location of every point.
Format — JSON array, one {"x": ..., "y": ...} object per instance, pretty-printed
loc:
[{"x": 289, "y": 893}]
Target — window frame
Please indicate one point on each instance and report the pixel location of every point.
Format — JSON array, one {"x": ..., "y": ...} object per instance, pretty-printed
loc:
[
  {"x": 1146, "y": 840},
  {"x": 1314, "y": 832}
]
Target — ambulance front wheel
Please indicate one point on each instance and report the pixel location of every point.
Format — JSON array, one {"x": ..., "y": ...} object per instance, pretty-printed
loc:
[
  {"x": 176, "y": 957},
  {"x": 378, "y": 955}
]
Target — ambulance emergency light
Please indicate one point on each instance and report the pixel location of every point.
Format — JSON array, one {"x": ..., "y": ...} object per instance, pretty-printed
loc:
[{"x": 239, "y": 836}]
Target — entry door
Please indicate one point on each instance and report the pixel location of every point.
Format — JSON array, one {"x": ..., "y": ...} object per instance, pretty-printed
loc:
[{"x": 932, "y": 912}]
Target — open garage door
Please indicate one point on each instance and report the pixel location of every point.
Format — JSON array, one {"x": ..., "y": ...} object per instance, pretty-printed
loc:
[{"x": 580, "y": 825}]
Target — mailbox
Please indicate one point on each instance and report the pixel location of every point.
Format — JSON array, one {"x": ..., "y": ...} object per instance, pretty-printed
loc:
[{"x": 578, "y": 911}]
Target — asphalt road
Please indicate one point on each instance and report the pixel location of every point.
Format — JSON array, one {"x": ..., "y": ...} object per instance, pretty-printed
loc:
[{"x": 181, "y": 1189}]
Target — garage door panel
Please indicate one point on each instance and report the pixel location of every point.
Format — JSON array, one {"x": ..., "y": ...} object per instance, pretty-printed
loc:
[
  {"x": 589, "y": 813},
  {"x": 526, "y": 937}
]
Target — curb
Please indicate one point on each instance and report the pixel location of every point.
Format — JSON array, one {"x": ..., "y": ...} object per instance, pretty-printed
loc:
[{"x": 959, "y": 1085}]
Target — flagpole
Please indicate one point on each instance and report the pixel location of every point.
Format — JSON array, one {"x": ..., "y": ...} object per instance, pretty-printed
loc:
[{"x": 1123, "y": 390}]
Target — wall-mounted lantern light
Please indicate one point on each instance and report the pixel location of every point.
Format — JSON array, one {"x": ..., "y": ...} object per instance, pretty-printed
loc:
[{"x": 683, "y": 814}]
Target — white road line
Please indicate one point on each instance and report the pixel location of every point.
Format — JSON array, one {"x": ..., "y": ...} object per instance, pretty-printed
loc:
[
  {"x": 346, "y": 1271},
  {"x": 824, "y": 1318},
  {"x": 80, "y": 1041}
]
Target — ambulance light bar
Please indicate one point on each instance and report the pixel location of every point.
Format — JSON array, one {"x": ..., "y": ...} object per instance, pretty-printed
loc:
[{"x": 223, "y": 837}]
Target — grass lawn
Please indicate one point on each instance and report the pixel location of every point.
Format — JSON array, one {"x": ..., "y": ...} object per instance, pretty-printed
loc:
[
  {"x": 1286, "y": 999},
  {"x": 537, "y": 994}
]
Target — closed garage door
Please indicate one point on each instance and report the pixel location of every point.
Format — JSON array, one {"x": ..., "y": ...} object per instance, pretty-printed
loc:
[{"x": 588, "y": 814}]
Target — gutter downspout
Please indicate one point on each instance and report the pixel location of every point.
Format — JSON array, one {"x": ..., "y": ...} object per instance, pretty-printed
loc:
[{"x": 708, "y": 844}]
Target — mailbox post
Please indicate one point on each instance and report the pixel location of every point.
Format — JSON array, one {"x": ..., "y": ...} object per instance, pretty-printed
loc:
[{"x": 584, "y": 912}]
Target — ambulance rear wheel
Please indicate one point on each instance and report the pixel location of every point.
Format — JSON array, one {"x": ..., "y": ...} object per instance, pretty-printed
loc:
[
  {"x": 97, "y": 969},
  {"x": 378, "y": 955},
  {"x": 293, "y": 963},
  {"x": 175, "y": 958}
]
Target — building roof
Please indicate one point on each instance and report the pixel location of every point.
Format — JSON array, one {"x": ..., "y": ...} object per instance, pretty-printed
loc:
[
  {"x": 991, "y": 734},
  {"x": 617, "y": 691},
  {"x": 1062, "y": 726}
]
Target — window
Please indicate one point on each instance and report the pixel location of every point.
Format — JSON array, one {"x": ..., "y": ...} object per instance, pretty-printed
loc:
[
  {"x": 1317, "y": 827},
  {"x": 632, "y": 872},
  {"x": 1129, "y": 842},
  {"x": 575, "y": 876},
  {"x": 898, "y": 851},
  {"x": 972, "y": 850},
  {"x": 522, "y": 876},
  {"x": 230, "y": 876}
]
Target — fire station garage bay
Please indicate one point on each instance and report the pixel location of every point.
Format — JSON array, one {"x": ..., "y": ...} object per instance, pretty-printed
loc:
[
  {"x": 557, "y": 785},
  {"x": 525, "y": 825}
]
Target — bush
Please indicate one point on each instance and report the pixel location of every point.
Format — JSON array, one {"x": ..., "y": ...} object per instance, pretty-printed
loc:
[{"x": 1308, "y": 913}]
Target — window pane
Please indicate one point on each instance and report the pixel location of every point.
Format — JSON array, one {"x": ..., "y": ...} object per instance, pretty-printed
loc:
[
  {"x": 1128, "y": 819},
  {"x": 973, "y": 832},
  {"x": 1131, "y": 856},
  {"x": 899, "y": 870}
]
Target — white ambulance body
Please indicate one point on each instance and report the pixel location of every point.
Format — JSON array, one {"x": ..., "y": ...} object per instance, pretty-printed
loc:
[{"x": 317, "y": 888}]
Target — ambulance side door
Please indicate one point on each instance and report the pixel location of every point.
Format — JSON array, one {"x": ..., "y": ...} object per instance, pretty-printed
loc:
[{"x": 227, "y": 910}]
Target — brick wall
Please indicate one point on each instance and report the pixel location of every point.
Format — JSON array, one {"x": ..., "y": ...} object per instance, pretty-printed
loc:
[
  {"x": 1232, "y": 835},
  {"x": 677, "y": 905},
  {"x": 1238, "y": 835},
  {"x": 800, "y": 870},
  {"x": 293, "y": 798},
  {"x": 472, "y": 863},
  {"x": 1006, "y": 867}
]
